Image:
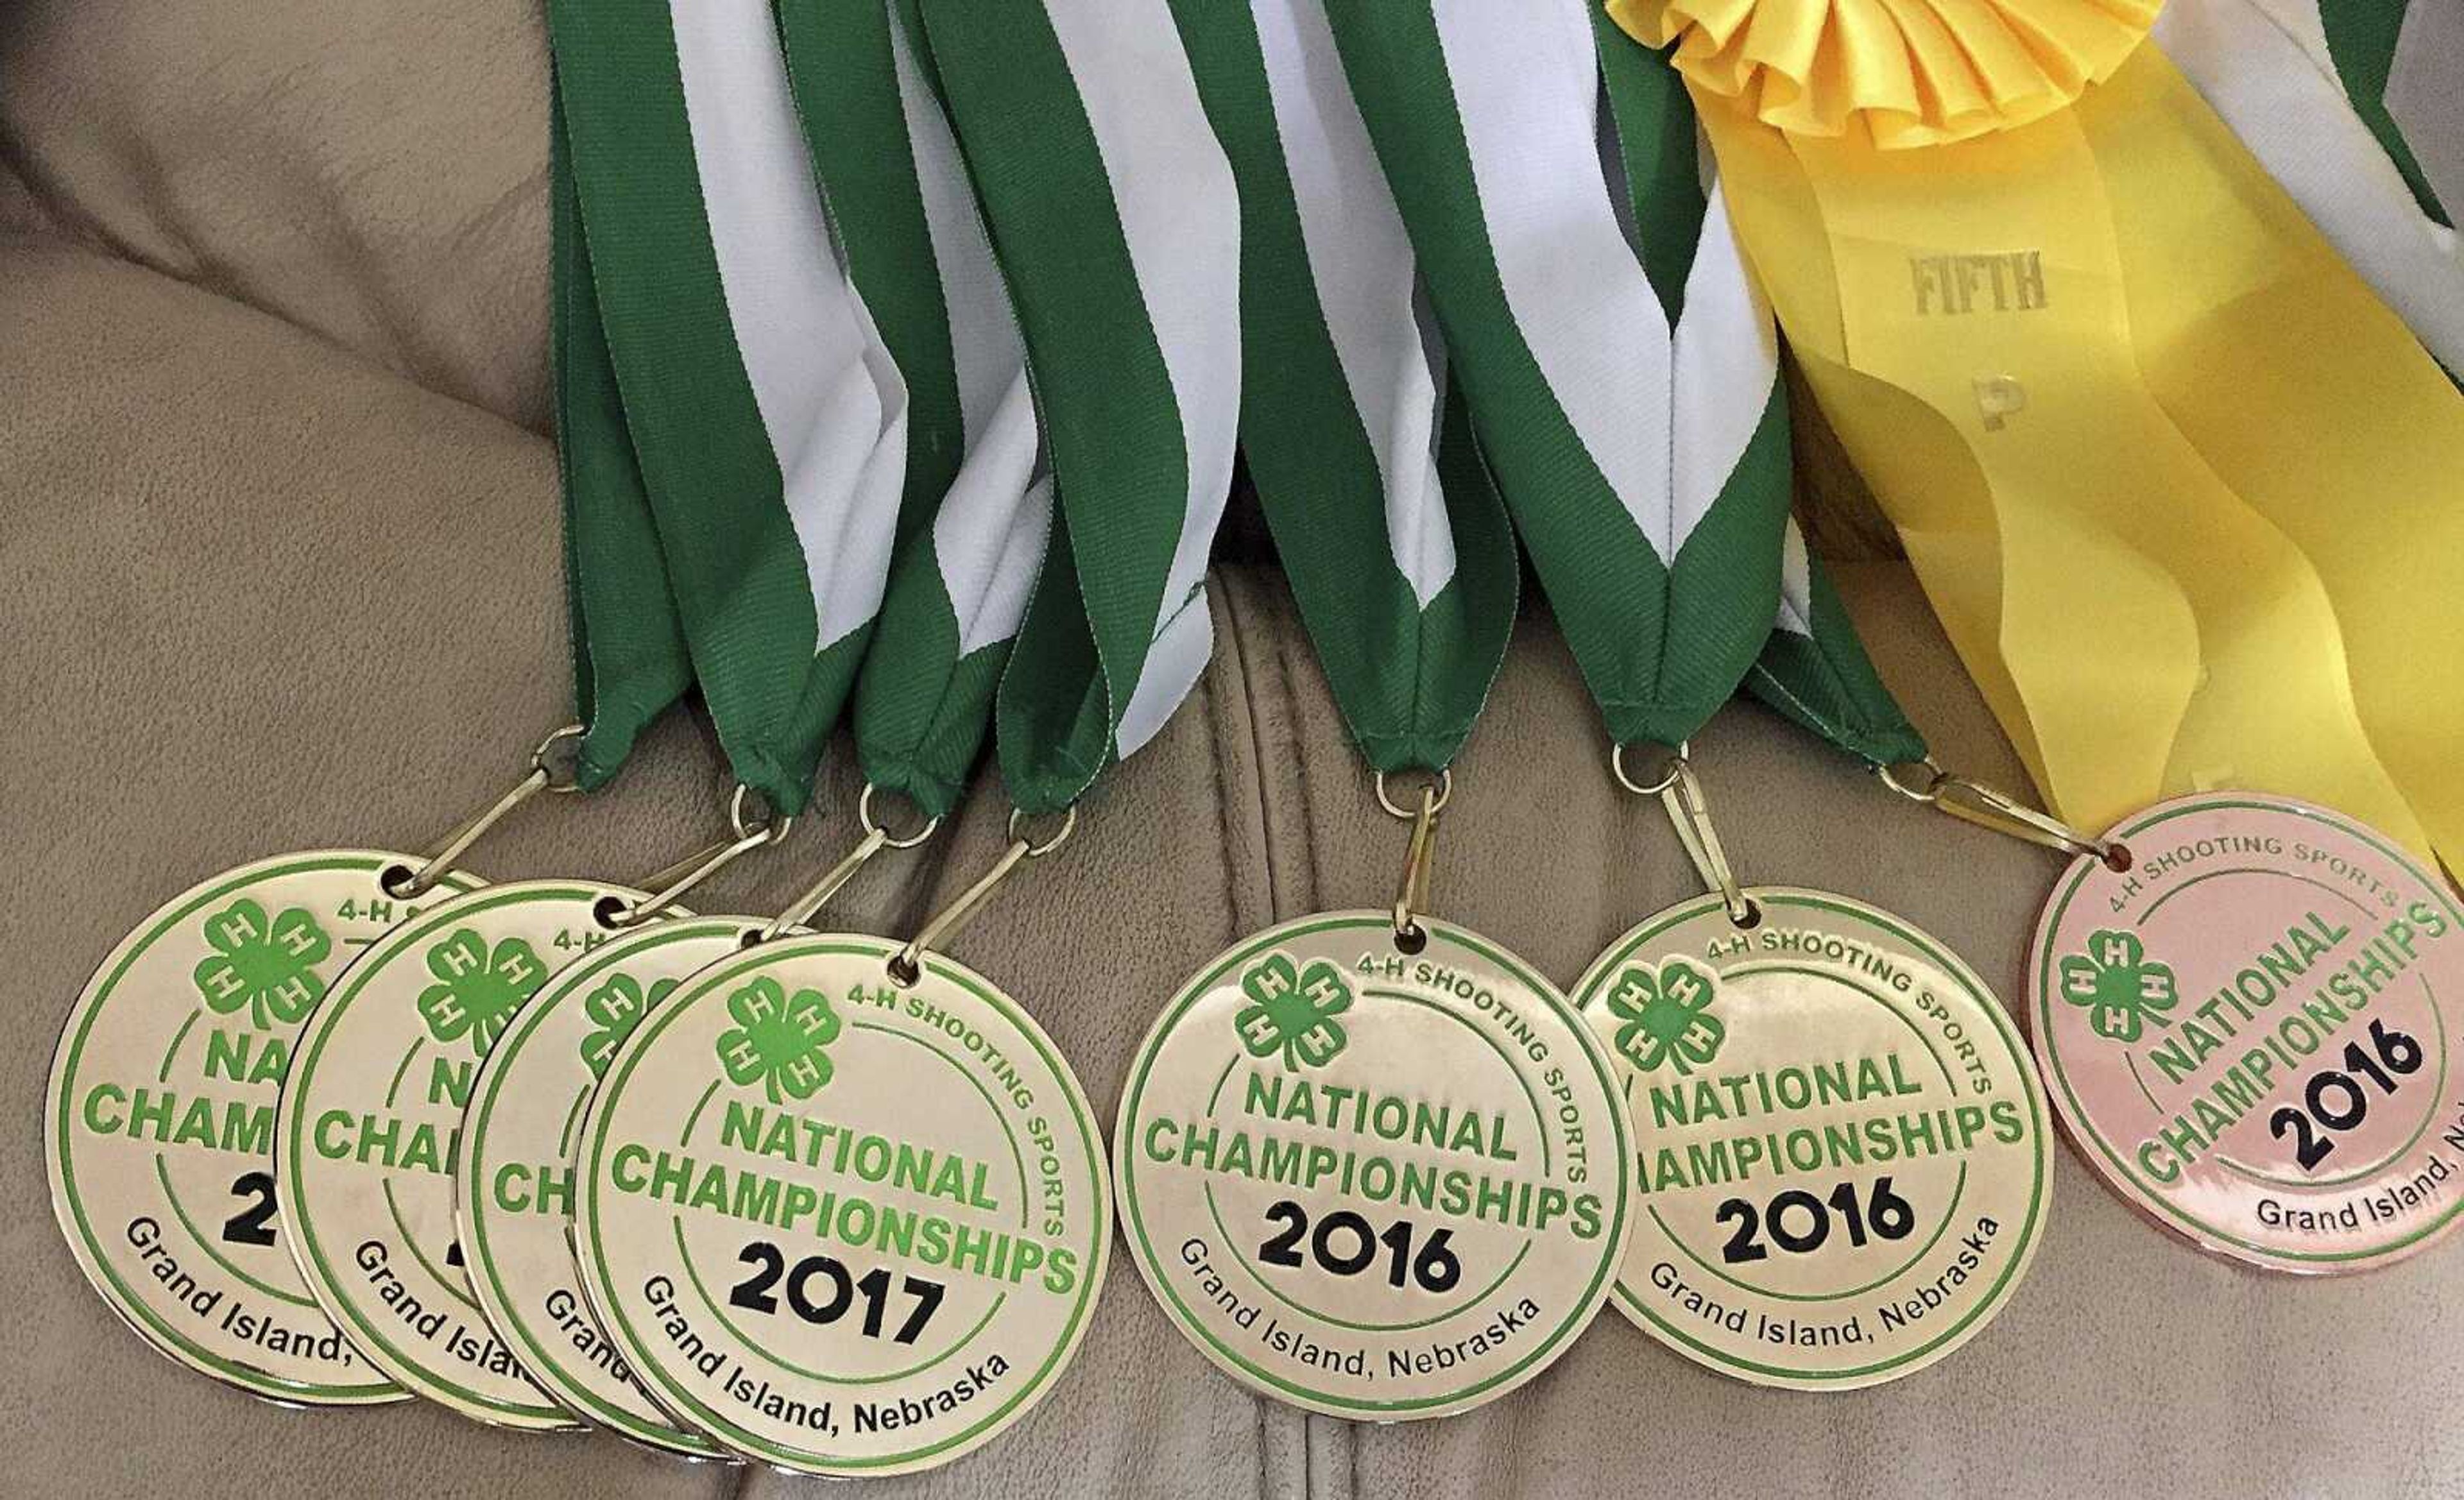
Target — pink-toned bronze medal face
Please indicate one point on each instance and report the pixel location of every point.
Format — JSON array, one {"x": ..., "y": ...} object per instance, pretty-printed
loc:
[{"x": 2250, "y": 1032}]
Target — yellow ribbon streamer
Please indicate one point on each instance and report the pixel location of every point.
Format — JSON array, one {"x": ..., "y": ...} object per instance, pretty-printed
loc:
[{"x": 2187, "y": 498}]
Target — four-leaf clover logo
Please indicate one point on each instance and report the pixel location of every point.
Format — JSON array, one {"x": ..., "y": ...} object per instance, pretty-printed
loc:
[
  {"x": 1666, "y": 1016},
  {"x": 477, "y": 992},
  {"x": 2120, "y": 986},
  {"x": 1293, "y": 1011},
  {"x": 779, "y": 1040},
  {"x": 616, "y": 1008},
  {"x": 268, "y": 966}
]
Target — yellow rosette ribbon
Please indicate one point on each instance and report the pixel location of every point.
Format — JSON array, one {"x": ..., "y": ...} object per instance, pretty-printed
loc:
[
  {"x": 2187, "y": 498},
  {"x": 1900, "y": 73}
]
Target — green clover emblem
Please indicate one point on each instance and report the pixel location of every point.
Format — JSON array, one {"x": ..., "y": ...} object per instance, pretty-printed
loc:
[
  {"x": 269, "y": 967},
  {"x": 779, "y": 1040},
  {"x": 477, "y": 992},
  {"x": 2120, "y": 986},
  {"x": 1667, "y": 1016},
  {"x": 1293, "y": 1011},
  {"x": 616, "y": 1008}
]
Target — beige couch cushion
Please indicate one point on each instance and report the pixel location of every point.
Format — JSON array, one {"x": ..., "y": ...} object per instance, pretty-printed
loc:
[{"x": 373, "y": 173}]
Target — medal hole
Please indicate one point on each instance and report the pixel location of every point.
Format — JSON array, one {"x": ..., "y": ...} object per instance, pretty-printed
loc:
[
  {"x": 395, "y": 881},
  {"x": 2118, "y": 859},
  {"x": 610, "y": 913},
  {"x": 1412, "y": 939},
  {"x": 1752, "y": 918},
  {"x": 902, "y": 973}
]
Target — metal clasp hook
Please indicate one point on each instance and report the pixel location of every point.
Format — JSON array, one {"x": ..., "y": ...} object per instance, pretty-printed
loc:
[
  {"x": 907, "y": 964},
  {"x": 1987, "y": 807},
  {"x": 404, "y": 884},
  {"x": 1412, "y": 892},
  {"x": 817, "y": 895},
  {"x": 753, "y": 824},
  {"x": 1690, "y": 811}
]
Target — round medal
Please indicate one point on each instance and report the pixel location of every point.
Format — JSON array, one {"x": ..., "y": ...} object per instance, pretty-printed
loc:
[
  {"x": 514, "y": 1189},
  {"x": 514, "y": 1193},
  {"x": 1842, "y": 1148},
  {"x": 845, "y": 1227},
  {"x": 2246, "y": 1034},
  {"x": 368, "y": 1131},
  {"x": 1372, "y": 1183},
  {"x": 160, "y": 1118}
]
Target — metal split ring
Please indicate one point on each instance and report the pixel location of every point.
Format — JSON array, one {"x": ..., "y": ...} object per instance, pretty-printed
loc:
[
  {"x": 1658, "y": 785},
  {"x": 888, "y": 840},
  {"x": 1441, "y": 783}
]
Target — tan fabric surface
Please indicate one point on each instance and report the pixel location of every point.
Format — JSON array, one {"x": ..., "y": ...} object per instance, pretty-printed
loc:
[
  {"x": 278, "y": 568},
  {"x": 374, "y": 172},
  {"x": 2424, "y": 94}
]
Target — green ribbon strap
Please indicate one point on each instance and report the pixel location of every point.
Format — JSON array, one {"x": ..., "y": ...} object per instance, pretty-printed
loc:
[
  {"x": 973, "y": 524},
  {"x": 1631, "y": 408},
  {"x": 767, "y": 415},
  {"x": 1622, "y": 365},
  {"x": 1389, "y": 530},
  {"x": 629, "y": 660},
  {"x": 1815, "y": 670},
  {"x": 1113, "y": 218}
]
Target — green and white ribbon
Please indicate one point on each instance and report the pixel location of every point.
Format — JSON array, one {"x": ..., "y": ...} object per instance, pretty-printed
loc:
[
  {"x": 1114, "y": 221},
  {"x": 1621, "y": 364},
  {"x": 1814, "y": 668},
  {"x": 767, "y": 415},
  {"x": 2304, "y": 84},
  {"x": 1389, "y": 530},
  {"x": 1625, "y": 388},
  {"x": 630, "y": 659},
  {"x": 977, "y": 506}
]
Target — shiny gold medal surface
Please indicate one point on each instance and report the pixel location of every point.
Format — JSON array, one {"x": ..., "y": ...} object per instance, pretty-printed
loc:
[
  {"x": 514, "y": 1190},
  {"x": 367, "y": 1133},
  {"x": 845, "y": 1225},
  {"x": 1843, "y": 1154},
  {"x": 1373, "y": 1183},
  {"x": 159, "y": 1123}
]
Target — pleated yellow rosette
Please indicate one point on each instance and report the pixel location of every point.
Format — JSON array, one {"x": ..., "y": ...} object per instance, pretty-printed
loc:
[
  {"x": 1906, "y": 73},
  {"x": 2187, "y": 498}
]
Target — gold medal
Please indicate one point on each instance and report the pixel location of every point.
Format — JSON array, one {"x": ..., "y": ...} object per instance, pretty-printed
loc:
[
  {"x": 838, "y": 1200},
  {"x": 1373, "y": 1181},
  {"x": 514, "y": 1189},
  {"x": 1843, "y": 1151},
  {"x": 367, "y": 1133},
  {"x": 1373, "y": 1164},
  {"x": 845, "y": 1220},
  {"x": 159, "y": 1118},
  {"x": 163, "y": 1112}
]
